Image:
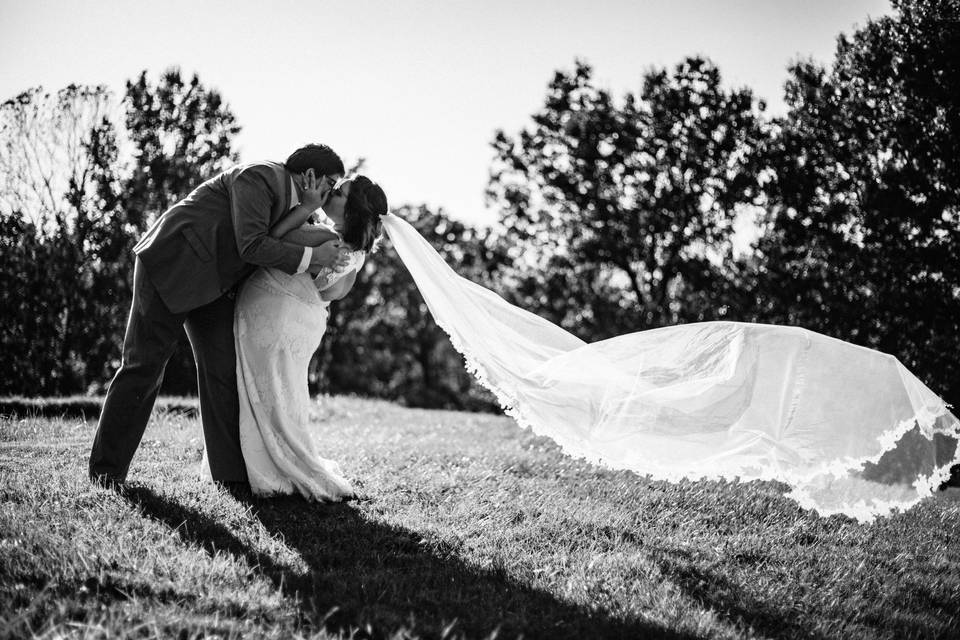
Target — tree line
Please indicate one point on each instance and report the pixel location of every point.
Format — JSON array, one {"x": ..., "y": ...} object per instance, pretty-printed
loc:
[{"x": 682, "y": 202}]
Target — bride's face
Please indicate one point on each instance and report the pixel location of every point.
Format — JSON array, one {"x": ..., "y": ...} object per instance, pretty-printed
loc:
[{"x": 337, "y": 201}]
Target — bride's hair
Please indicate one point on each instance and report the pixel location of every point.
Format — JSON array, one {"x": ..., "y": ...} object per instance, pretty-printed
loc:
[{"x": 366, "y": 202}]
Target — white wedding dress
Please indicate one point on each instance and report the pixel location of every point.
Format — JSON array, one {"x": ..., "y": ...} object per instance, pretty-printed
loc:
[
  {"x": 278, "y": 324},
  {"x": 850, "y": 429}
]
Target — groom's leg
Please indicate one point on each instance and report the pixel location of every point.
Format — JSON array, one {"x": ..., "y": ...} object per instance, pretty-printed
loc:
[
  {"x": 149, "y": 341},
  {"x": 210, "y": 329}
]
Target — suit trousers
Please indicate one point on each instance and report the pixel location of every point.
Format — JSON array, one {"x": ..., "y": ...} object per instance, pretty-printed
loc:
[{"x": 150, "y": 339}]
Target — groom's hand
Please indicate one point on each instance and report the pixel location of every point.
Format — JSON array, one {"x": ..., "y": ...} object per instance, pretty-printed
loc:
[{"x": 325, "y": 255}]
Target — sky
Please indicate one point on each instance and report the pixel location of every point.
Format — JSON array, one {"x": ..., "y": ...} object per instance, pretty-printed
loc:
[{"x": 417, "y": 88}]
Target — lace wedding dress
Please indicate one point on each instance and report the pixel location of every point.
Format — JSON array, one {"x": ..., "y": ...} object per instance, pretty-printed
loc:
[
  {"x": 278, "y": 324},
  {"x": 850, "y": 429}
]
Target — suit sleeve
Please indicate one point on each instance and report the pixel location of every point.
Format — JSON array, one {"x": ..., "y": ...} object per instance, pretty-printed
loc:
[{"x": 251, "y": 200}]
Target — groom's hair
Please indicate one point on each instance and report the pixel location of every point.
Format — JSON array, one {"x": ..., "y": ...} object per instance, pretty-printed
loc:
[
  {"x": 366, "y": 202},
  {"x": 319, "y": 157}
]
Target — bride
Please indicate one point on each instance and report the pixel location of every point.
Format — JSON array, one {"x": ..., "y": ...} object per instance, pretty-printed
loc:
[{"x": 279, "y": 321}]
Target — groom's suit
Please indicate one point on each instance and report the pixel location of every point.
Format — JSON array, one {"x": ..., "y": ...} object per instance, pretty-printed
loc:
[
  {"x": 203, "y": 245},
  {"x": 186, "y": 268}
]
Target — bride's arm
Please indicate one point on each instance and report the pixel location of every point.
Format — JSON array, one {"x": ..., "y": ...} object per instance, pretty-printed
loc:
[
  {"x": 292, "y": 221},
  {"x": 310, "y": 235},
  {"x": 340, "y": 288}
]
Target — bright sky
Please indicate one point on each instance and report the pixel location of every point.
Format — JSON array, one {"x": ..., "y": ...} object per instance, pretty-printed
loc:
[{"x": 417, "y": 88}]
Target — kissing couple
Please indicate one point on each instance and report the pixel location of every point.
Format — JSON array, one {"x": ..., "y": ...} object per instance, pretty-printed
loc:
[
  {"x": 250, "y": 261},
  {"x": 248, "y": 264}
]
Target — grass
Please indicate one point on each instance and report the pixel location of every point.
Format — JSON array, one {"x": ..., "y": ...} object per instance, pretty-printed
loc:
[{"x": 468, "y": 527}]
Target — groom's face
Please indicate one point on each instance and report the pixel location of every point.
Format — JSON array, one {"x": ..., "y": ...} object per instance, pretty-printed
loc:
[{"x": 331, "y": 179}]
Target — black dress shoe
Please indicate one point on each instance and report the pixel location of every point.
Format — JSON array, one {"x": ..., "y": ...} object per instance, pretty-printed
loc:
[
  {"x": 239, "y": 489},
  {"x": 106, "y": 481}
]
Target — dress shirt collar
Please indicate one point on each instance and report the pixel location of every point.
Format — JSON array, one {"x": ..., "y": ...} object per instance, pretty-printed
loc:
[{"x": 294, "y": 193}]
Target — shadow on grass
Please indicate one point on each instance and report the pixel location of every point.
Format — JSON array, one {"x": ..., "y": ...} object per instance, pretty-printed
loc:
[
  {"x": 83, "y": 407},
  {"x": 379, "y": 579},
  {"x": 730, "y": 601},
  {"x": 780, "y": 619}
]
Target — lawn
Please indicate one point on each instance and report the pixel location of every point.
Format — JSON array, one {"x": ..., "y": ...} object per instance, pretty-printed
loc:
[{"x": 467, "y": 526}]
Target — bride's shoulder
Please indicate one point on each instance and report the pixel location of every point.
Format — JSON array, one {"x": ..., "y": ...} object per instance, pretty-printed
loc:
[{"x": 356, "y": 259}]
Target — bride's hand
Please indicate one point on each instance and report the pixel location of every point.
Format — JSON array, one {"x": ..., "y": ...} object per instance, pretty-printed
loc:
[
  {"x": 316, "y": 191},
  {"x": 329, "y": 254}
]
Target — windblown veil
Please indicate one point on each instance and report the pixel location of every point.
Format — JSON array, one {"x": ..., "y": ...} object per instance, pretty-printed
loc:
[{"x": 848, "y": 428}]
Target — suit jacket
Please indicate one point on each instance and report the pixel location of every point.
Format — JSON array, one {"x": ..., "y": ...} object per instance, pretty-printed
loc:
[{"x": 216, "y": 236}]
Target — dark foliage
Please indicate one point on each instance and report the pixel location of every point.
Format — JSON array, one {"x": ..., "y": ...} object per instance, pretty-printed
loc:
[
  {"x": 619, "y": 215},
  {"x": 60, "y": 254},
  {"x": 73, "y": 212},
  {"x": 863, "y": 231}
]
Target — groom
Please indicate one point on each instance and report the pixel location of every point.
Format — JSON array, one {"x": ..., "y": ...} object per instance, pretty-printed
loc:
[{"x": 186, "y": 271}]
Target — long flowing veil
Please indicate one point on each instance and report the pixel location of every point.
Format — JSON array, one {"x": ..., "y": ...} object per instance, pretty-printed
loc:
[{"x": 850, "y": 429}]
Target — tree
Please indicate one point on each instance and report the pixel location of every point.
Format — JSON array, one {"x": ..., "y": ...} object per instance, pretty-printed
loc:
[
  {"x": 863, "y": 231},
  {"x": 44, "y": 159},
  {"x": 182, "y": 134},
  {"x": 620, "y": 217},
  {"x": 54, "y": 151},
  {"x": 72, "y": 208}
]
